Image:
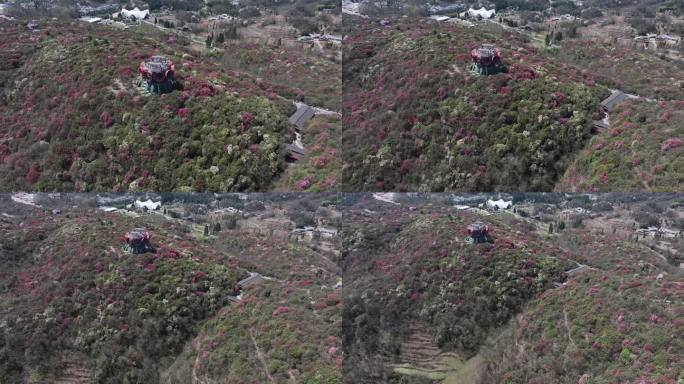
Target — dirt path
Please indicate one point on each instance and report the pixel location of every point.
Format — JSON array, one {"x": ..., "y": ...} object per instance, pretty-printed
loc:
[
  {"x": 260, "y": 356},
  {"x": 567, "y": 327},
  {"x": 196, "y": 364}
]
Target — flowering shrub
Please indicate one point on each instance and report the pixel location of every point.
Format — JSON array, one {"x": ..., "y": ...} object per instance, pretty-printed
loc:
[
  {"x": 280, "y": 310},
  {"x": 320, "y": 168},
  {"x": 179, "y": 138},
  {"x": 33, "y": 174},
  {"x": 303, "y": 183},
  {"x": 641, "y": 151},
  {"x": 671, "y": 143},
  {"x": 106, "y": 119},
  {"x": 183, "y": 113},
  {"x": 247, "y": 117},
  {"x": 420, "y": 106}
]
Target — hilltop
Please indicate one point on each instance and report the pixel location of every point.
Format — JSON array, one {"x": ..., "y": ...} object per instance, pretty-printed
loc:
[
  {"x": 435, "y": 126},
  {"x": 76, "y": 307},
  {"x": 567, "y": 291},
  {"x": 74, "y": 117}
]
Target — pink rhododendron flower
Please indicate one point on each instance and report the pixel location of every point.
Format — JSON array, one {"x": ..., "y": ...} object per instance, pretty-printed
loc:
[
  {"x": 33, "y": 174},
  {"x": 405, "y": 167},
  {"x": 559, "y": 98},
  {"x": 303, "y": 183},
  {"x": 247, "y": 117},
  {"x": 319, "y": 162},
  {"x": 106, "y": 119},
  {"x": 183, "y": 112},
  {"x": 670, "y": 143},
  {"x": 280, "y": 310}
]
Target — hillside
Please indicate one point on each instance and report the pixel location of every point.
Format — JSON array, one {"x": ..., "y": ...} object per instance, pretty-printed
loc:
[
  {"x": 642, "y": 150},
  {"x": 434, "y": 126},
  {"x": 320, "y": 168},
  {"x": 76, "y": 307},
  {"x": 74, "y": 119},
  {"x": 416, "y": 119},
  {"x": 626, "y": 67},
  {"x": 424, "y": 306}
]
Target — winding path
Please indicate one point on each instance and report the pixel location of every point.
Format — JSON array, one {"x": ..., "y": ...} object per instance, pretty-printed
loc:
[{"x": 260, "y": 356}]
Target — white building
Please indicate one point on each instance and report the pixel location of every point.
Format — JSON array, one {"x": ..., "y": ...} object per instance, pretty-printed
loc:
[
  {"x": 482, "y": 12},
  {"x": 134, "y": 13}
]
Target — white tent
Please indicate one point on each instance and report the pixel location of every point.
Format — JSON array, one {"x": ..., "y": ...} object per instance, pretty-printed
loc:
[
  {"x": 135, "y": 13},
  {"x": 500, "y": 204},
  {"x": 482, "y": 12},
  {"x": 149, "y": 204}
]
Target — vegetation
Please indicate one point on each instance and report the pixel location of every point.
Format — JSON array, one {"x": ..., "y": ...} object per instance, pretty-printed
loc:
[
  {"x": 506, "y": 311},
  {"x": 75, "y": 306},
  {"x": 292, "y": 74},
  {"x": 81, "y": 295},
  {"x": 643, "y": 73},
  {"x": 319, "y": 170},
  {"x": 417, "y": 271},
  {"x": 642, "y": 150},
  {"x": 80, "y": 123},
  {"x": 618, "y": 323},
  {"x": 416, "y": 119}
]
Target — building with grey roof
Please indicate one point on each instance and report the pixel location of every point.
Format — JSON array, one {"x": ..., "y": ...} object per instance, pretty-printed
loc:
[
  {"x": 304, "y": 113},
  {"x": 613, "y": 100}
]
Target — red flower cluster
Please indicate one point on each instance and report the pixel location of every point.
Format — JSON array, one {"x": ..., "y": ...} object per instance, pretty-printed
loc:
[
  {"x": 280, "y": 310},
  {"x": 106, "y": 119},
  {"x": 670, "y": 144},
  {"x": 303, "y": 183},
  {"x": 183, "y": 112},
  {"x": 33, "y": 174}
]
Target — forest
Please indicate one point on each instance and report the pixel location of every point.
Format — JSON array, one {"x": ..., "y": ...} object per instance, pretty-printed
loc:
[
  {"x": 81, "y": 124},
  {"x": 435, "y": 127},
  {"x": 423, "y": 305}
]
